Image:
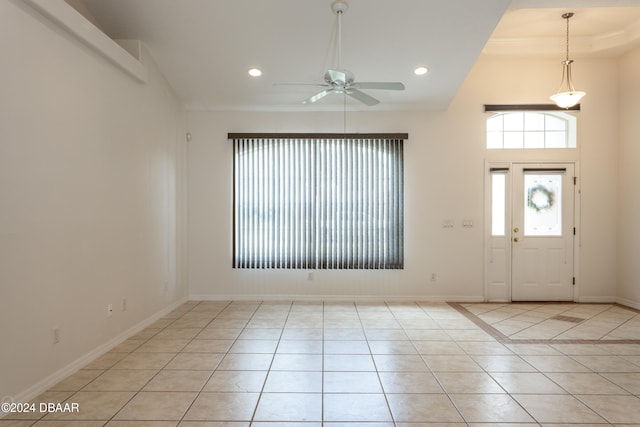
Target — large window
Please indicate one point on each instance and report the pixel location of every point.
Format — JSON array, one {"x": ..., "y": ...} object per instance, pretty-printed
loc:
[
  {"x": 528, "y": 129},
  {"x": 318, "y": 201}
]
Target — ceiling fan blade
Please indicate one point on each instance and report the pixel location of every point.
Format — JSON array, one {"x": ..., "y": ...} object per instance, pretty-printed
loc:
[
  {"x": 380, "y": 85},
  {"x": 362, "y": 97},
  {"x": 302, "y": 84},
  {"x": 317, "y": 96}
]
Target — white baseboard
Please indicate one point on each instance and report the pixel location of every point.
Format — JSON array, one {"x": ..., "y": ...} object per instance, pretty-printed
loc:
[
  {"x": 628, "y": 303},
  {"x": 334, "y": 298},
  {"x": 602, "y": 299},
  {"x": 51, "y": 380}
]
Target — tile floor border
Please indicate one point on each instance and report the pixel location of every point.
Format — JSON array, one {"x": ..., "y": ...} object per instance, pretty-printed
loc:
[{"x": 502, "y": 338}]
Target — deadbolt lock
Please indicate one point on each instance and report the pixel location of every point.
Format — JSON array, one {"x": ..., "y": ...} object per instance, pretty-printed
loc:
[
  {"x": 515, "y": 239},
  {"x": 515, "y": 230}
]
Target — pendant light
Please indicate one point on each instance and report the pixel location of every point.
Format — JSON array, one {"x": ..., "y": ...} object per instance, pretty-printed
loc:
[{"x": 567, "y": 96}]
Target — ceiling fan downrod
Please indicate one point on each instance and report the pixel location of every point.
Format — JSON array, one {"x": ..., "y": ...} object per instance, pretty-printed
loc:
[{"x": 339, "y": 7}]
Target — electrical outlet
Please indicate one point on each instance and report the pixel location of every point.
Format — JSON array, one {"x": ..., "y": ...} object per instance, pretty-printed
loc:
[
  {"x": 56, "y": 335},
  {"x": 310, "y": 275},
  {"x": 109, "y": 310},
  {"x": 434, "y": 277}
]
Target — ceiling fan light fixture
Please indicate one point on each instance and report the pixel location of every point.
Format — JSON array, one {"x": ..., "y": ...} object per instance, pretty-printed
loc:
[
  {"x": 567, "y": 96},
  {"x": 421, "y": 70},
  {"x": 255, "y": 72}
]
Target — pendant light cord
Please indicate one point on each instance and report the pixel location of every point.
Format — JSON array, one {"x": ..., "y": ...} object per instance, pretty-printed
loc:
[
  {"x": 567, "y": 45},
  {"x": 567, "y": 16}
]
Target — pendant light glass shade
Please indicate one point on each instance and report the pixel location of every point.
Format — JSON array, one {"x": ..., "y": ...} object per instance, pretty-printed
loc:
[{"x": 567, "y": 96}]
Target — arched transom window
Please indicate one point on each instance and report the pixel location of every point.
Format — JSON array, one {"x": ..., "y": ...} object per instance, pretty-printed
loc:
[{"x": 528, "y": 130}]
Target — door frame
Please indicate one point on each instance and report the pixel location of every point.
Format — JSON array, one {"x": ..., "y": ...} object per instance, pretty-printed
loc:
[{"x": 497, "y": 253}]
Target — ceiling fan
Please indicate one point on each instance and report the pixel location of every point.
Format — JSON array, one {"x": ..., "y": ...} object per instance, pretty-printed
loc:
[{"x": 343, "y": 81}]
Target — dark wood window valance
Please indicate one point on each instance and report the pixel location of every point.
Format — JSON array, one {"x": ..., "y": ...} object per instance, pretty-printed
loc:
[
  {"x": 527, "y": 107},
  {"x": 319, "y": 135}
]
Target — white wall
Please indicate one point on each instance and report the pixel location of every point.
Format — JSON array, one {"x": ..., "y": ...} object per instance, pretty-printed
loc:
[
  {"x": 91, "y": 207},
  {"x": 444, "y": 160},
  {"x": 629, "y": 181}
]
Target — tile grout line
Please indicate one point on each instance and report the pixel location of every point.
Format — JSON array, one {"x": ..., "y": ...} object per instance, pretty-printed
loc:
[
  {"x": 375, "y": 365},
  {"x": 275, "y": 351}
]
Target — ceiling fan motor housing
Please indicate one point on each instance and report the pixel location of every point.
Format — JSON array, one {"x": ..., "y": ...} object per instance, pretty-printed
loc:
[{"x": 339, "y": 77}]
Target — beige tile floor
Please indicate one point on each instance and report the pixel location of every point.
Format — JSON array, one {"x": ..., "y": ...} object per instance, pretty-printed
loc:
[{"x": 312, "y": 364}]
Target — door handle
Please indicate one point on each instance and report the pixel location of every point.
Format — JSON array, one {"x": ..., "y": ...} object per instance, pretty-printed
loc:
[
  {"x": 515, "y": 239},
  {"x": 515, "y": 230}
]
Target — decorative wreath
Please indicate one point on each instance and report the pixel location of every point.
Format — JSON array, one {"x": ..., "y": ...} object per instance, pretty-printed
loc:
[{"x": 540, "y": 198}]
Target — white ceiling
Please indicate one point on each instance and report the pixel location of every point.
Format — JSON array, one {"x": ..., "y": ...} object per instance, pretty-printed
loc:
[{"x": 205, "y": 47}]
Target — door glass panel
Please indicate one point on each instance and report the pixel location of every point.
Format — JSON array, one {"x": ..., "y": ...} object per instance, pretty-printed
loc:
[
  {"x": 543, "y": 204},
  {"x": 498, "y": 203}
]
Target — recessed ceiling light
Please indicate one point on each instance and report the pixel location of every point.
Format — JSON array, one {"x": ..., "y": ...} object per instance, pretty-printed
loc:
[
  {"x": 421, "y": 71},
  {"x": 254, "y": 72}
]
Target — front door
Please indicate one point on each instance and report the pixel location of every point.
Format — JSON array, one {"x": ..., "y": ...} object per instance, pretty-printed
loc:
[{"x": 542, "y": 232}]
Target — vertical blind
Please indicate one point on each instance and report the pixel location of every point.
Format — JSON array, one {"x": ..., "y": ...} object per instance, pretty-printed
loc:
[{"x": 318, "y": 202}]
